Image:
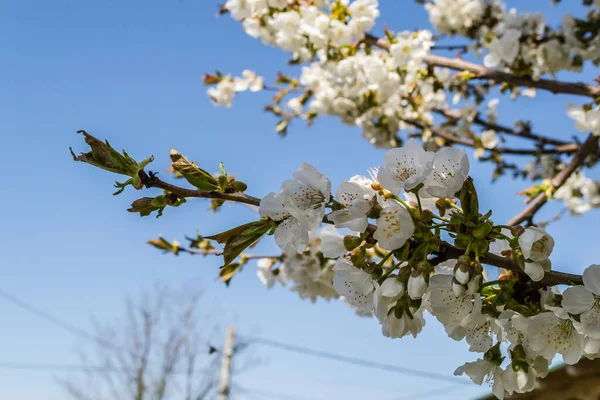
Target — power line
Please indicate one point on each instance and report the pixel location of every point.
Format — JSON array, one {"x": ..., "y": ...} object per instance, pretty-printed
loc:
[
  {"x": 56, "y": 321},
  {"x": 267, "y": 342},
  {"x": 357, "y": 361}
]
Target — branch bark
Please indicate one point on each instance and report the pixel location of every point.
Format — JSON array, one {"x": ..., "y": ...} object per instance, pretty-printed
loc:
[
  {"x": 481, "y": 72},
  {"x": 589, "y": 146}
]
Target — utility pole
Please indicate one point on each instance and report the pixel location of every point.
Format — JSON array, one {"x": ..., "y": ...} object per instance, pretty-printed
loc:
[{"x": 224, "y": 384}]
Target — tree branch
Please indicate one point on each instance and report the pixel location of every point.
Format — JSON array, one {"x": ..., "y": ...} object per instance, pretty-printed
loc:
[
  {"x": 481, "y": 72},
  {"x": 447, "y": 251},
  {"x": 564, "y": 149},
  {"x": 522, "y": 133},
  {"x": 150, "y": 181},
  {"x": 589, "y": 146}
]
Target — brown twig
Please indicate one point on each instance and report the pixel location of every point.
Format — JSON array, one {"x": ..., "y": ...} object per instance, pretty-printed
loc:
[
  {"x": 440, "y": 132},
  {"x": 153, "y": 181},
  {"x": 481, "y": 72},
  {"x": 589, "y": 146},
  {"x": 522, "y": 133}
]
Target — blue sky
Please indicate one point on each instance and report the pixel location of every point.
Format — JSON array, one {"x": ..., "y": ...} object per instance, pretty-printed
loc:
[{"x": 131, "y": 71}]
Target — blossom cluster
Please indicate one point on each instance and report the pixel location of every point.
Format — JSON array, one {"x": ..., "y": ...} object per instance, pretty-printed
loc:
[
  {"x": 517, "y": 42},
  {"x": 390, "y": 269}
]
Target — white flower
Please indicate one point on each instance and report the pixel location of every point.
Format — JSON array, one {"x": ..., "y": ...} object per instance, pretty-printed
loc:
[
  {"x": 340, "y": 34},
  {"x": 585, "y": 121},
  {"x": 549, "y": 334},
  {"x": 410, "y": 48},
  {"x": 222, "y": 94},
  {"x": 448, "y": 308},
  {"x": 354, "y": 284},
  {"x": 405, "y": 167},
  {"x": 395, "y": 321},
  {"x": 295, "y": 104},
  {"x": 503, "y": 49},
  {"x": 363, "y": 13},
  {"x": 479, "y": 328},
  {"x": 332, "y": 242},
  {"x": 249, "y": 81},
  {"x": 309, "y": 278},
  {"x": 585, "y": 300},
  {"x": 355, "y": 201},
  {"x": 239, "y": 9},
  {"x": 455, "y": 16},
  {"x": 290, "y": 230},
  {"x": 450, "y": 170},
  {"x": 394, "y": 226},
  {"x": 484, "y": 369},
  {"x": 519, "y": 381},
  {"x": 307, "y": 195},
  {"x": 536, "y": 269},
  {"x": 417, "y": 286},
  {"x": 536, "y": 244},
  {"x": 500, "y": 245},
  {"x": 591, "y": 348},
  {"x": 266, "y": 274},
  {"x": 489, "y": 139}
]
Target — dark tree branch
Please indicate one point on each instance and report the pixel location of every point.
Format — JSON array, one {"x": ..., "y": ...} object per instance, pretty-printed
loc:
[
  {"x": 522, "y": 133},
  {"x": 588, "y": 147}
]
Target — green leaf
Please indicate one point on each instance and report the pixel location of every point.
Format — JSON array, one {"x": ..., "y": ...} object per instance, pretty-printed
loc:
[
  {"x": 241, "y": 237},
  {"x": 147, "y": 205},
  {"x": 103, "y": 156},
  {"x": 192, "y": 173},
  {"x": 227, "y": 272}
]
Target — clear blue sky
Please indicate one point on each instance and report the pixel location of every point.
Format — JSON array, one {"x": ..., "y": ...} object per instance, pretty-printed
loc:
[{"x": 131, "y": 71}]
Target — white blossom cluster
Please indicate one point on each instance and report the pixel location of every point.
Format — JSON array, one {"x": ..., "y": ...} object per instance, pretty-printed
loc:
[
  {"x": 223, "y": 92},
  {"x": 518, "y": 40},
  {"x": 579, "y": 193},
  {"x": 304, "y": 29},
  {"x": 456, "y": 291}
]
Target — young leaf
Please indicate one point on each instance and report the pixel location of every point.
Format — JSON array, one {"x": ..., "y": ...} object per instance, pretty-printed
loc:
[
  {"x": 227, "y": 272},
  {"x": 192, "y": 173},
  {"x": 239, "y": 238},
  {"x": 104, "y": 156},
  {"x": 146, "y": 205}
]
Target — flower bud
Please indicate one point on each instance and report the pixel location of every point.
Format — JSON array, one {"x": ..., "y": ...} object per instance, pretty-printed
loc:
[
  {"x": 417, "y": 286},
  {"x": 517, "y": 230},
  {"x": 376, "y": 186},
  {"x": 474, "y": 284},
  {"x": 239, "y": 186},
  {"x": 458, "y": 289},
  {"x": 461, "y": 274},
  {"x": 536, "y": 244}
]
